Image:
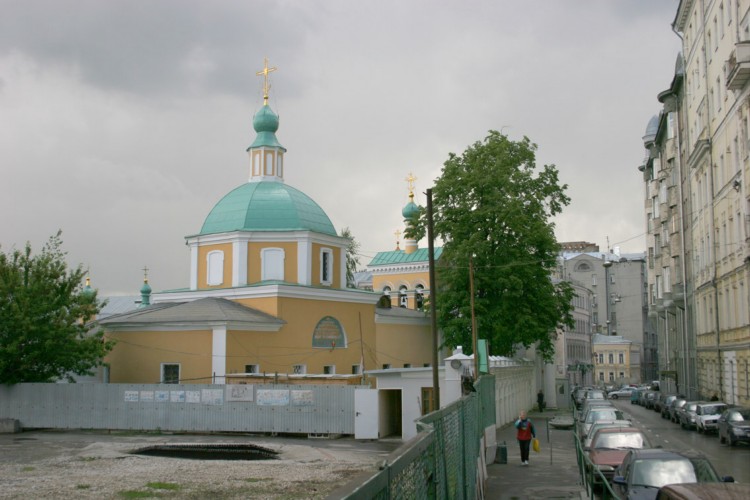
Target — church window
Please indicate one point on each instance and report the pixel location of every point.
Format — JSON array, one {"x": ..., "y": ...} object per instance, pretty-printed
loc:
[
  {"x": 215, "y": 271},
  {"x": 268, "y": 164},
  {"x": 299, "y": 369},
  {"x": 326, "y": 266},
  {"x": 170, "y": 373},
  {"x": 386, "y": 366},
  {"x": 386, "y": 290},
  {"x": 272, "y": 264},
  {"x": 329, "y": 369},
  {"x": 583, "y": 266},
  {"x": 419, "y": 298},
  {"x": 279, "y": 165},
  {"x": 356, "y": 370},
  {"x": 252, "y": 368},
  {"x": 403, "y": 300}
]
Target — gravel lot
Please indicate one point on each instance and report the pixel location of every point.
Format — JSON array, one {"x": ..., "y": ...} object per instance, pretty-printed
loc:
[{"x": 53, "y": 465}]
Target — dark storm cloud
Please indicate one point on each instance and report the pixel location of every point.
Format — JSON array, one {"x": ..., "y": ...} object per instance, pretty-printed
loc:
[{"x": 147, "y": 46}]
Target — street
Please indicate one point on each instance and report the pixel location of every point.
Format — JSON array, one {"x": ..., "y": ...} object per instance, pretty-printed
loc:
[{"x": 728, "y": 461}]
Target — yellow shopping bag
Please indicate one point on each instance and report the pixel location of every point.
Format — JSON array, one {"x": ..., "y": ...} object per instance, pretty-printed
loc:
[{"x": 535, "y": 445}]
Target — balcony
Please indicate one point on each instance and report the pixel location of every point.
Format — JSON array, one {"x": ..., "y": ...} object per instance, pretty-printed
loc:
[{"x": 738, "y": 66}]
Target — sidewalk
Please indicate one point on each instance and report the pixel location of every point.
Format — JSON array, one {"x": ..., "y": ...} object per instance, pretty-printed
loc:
[{"x": 551, "y": 473}]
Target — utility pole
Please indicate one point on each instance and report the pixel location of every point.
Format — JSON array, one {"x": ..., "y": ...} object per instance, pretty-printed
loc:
[
  {"x": 473, "y": 319},
  {"x": 433, "y": 302}
]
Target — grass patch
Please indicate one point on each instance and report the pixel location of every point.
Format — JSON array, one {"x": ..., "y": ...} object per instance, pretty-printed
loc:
[
  {"x": 257, "y": 479},
  {"x": 28, "y": 468},
  {"x": 83, "y": 486},
  {"x": 137, "y": 494},
  {"x": 89, "y": 459},
  {"x": 163, "y": 486}
]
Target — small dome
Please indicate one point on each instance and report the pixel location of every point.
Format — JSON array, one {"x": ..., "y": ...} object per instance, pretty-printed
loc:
[
  {"x": 266, "y": 123},
  {"x": 267, "y": 206},
  {"x": 410, "y": 210},
  {"x": 651, "y": 129},
  {"x": 146, "y": 288},
  {"x": 679, "y": 65}
]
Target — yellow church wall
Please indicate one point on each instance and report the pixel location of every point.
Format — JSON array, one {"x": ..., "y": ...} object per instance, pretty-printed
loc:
[
  {"x": 138, "y": 356},
  {"x": 203, "y": 251},
  {"x": 293, "y": 343},
  {"x": 254, "y": 260},
  {"x": 399, "y": 345},
  {"x": 269, "y": 305}
]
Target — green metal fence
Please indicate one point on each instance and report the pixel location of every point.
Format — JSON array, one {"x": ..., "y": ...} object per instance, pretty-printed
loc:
[
  {"x": 597, "y": 485},
  {"x": 441, "y": 462}
]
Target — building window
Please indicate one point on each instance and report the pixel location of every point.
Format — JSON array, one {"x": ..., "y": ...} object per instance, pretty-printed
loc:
[
  {"x": 326, "y": 266},
  {"x": 386, "y": 366},
  {"x": 387, "y": 291},
  {"x": 601, "y": 376},
  {"x": 252, "y": 368},
  {"x": 601, "y": 359},
  {"x": 611, "y": 376},
  {"x": 622, "y": 375},
  {"x": 299, "y": 369},
  {"x": 428, "y": 400},
  {"x": 407, "y": 365},
  {"x": 426, "y": 365},
  {"x": 329, "y": 369},
  {"x": 215, "y": 268},
  {"x": 403, "y": 300},
  {"x": 593, "y": 280},
  {"x": 419, "y": 298},
  {"x": 621, "y": 357},
  {"x": 611, "y": 358},
  {"x": 272, "y": 264},
  {"x": 170, "y": 373},
  {"x": 356, "y": 370}
]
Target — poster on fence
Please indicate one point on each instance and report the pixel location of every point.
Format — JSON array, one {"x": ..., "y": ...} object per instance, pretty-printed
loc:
[
  {"x": 131, "y": 396},
  {"x": 272, "y": 397},
  {"x": 302, "y": 398},
  {"x": 193, "y": 396},
  {"x": 177, "y": 396},
  {"x": 212, "y": 396},
  {"x": 147, "y": 396},
  {"x": 240, "y": 392},
  {"x": 161, "y": 396}
]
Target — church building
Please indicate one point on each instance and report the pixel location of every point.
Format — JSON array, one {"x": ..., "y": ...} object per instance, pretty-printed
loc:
[{"x": 267, "y": 294}]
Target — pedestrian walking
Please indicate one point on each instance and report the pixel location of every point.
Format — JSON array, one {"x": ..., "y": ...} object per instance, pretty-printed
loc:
[
  {"x": 525, "y": 434},
  {"x": 540, "y": 400}
]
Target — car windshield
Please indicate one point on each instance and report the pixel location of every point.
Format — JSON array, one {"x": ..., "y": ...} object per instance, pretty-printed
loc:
[
  {"x": 739, "y": 416},
  {"x": 620, "y": 440},
  {"x": 595, "y": 395},
  {"x": 713, "y": 410},
  {"x": 607, "y": 414},
  {"x": 691, "y": 407},
  {"x": 658, "y": 472}
]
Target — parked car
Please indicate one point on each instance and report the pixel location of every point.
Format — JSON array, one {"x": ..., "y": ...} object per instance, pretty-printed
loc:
[
  {"x": 594, "y": 394},
  {"x": 588, "y": 406},
  {"x": 602, "y": 424},
  {"x": 623, "y": 393},
  {"x": 666, "y": 401},
  {"x": 609, "y": 447},
  {"x": 687, "y": 414},
  {"x": 733, "y": 426},
  {"x": 578, "y": 396},
  {"x": 707, "y": 415},
  {"x": 649, "y": 399},
  {"x": 674, "y": 407},
  {"x": 643, "y": 472},
  {"x": 635, "y": 396},
  {"x": 597, "y": 414},
  {"x": 704, "y": 491}
]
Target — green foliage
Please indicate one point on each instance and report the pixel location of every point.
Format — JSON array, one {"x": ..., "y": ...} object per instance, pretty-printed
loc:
[
  {"x": 44, "y": 312},
  {"x": 493, "y": 207},
  {"x": 352, "y": 257}
]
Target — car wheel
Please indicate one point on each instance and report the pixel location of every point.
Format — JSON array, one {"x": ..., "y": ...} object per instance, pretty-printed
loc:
[
  {"x": 721, "y": 439},
  {"x": 682, "y": 424},
  {"x": 614, "y": 396},
  {"x": 732, "y": 442},
  {"x": 699, "y": 429}
]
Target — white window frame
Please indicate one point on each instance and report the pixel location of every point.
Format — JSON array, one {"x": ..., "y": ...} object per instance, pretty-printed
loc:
[
  {"x": 356, "y": 369},
  {"x": 252, "y": 368},
  {"x": 329, "y": 369},
  {"x": 215, "y": 268},
  {"x": 299, "y": 369},
  {"x": 162, "y": 374},
  {"x": 326, "y": 266},
  {"x": 269, "y": 259}
]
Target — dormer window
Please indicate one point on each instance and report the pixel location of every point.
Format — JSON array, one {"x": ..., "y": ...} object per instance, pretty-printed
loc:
[{"x": 272, "y": 264}]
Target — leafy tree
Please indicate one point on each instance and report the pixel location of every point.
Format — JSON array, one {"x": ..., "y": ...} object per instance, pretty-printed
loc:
[
  {"x": 493, "y": 208},
  {"x": 352, "y": 257},
  {"x": 44, "y": 311}
]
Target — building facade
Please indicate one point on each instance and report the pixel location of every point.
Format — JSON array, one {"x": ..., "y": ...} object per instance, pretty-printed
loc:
[{"x": 697, "y": 205}]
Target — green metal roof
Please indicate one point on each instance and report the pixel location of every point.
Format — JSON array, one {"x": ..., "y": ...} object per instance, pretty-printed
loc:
[
  {"x": 267, "y": 206},
  {"x": 401, "y": 257},
  {"x": 266, "y": 123}
]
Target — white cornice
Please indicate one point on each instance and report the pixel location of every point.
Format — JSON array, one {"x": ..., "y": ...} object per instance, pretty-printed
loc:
[
  {"x": 411, "y": 267},
  {"x": 191, "y": 326},
  {"x": 267, "y": 236},
  {"x": 270, "y": 291}
]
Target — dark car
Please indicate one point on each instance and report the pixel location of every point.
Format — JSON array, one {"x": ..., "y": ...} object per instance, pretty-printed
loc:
[
  {"x": 674, "y": 407},
  {"x": 609, "y": 447},
  {"x": 666, "y": 400},
  {"x": 650, "y": 399},
  {"x": 734, "y": 426},
  {"x": 578, "y": 397},
  {"x": 643, "y": 472}
]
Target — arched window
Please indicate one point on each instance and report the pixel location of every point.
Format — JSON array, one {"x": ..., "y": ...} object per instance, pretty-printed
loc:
[
  {"x": 215, "y": 268},
  {"x": 403, "y": 300},
  {"x": 583, "y": 266},
  {"x": 419, "y": 298},
  {"x": 387, "y": 290}
]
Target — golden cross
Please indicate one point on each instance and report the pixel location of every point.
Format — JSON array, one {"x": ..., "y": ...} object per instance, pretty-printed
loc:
[
  {"x": 145, "y": 273},
  {"x": 266, "y": 86},
  {"x": 397, "y": 233},
  {"x": 410, "y": 179}
]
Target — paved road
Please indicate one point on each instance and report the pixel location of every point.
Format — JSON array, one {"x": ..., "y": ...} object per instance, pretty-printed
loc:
[{"x": 728, "y": 461}]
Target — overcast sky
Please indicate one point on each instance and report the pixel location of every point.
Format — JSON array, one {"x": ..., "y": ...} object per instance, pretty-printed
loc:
[{"x": 123, "y": 123}]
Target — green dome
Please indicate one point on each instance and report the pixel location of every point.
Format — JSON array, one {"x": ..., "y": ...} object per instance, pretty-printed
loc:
[
  {"x": 410, "y": 210},
  {"x": 267, "y": 206},
  {"x": 266, "y": 123}
]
